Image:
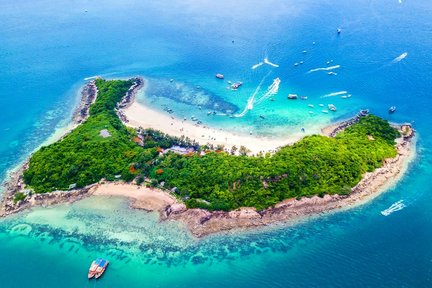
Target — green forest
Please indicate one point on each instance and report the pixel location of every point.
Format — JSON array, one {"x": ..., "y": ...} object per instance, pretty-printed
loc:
[{"x": 214, "y": 180}]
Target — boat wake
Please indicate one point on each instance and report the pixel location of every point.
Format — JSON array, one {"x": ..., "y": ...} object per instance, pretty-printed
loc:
[
  {"x": 335, "y": 94},
  {"x": 257, "y": 65},
  {"x": 90, "y": 78},
  {"x": 324, "y": 69},
  {"x": 265, "y": 61},
  {"x": 400, "y": 57},
  {"x": 399, "y": 205},
  {"x": 271, "y": 91}
]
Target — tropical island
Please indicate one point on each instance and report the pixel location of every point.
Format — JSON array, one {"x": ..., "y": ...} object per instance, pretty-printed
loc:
[{"x": 209, "y": 187}]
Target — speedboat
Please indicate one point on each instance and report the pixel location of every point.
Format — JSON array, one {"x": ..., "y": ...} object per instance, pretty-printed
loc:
[
  {"x": 392, "y": 109},
  {"x": 101, "y": 268},
  {"x": 332, "y": 107},
  {"x": 236, "y": 85},
  {"x": 93, "y": 267}
]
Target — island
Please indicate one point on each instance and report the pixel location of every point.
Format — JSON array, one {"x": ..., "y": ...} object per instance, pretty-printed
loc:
[{"x": 207, "y": 186}]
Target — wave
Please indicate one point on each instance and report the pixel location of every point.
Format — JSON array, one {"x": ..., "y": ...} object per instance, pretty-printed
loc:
[
  {"x": 335, "y": 94},
  {"x": 400, "y": 57},
  {"x": 324, "y": 69},
  {"x": 399, "y": 205}
]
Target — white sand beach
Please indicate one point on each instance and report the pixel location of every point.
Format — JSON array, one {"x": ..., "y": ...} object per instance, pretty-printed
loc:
[{"x": 140, "y": 115}]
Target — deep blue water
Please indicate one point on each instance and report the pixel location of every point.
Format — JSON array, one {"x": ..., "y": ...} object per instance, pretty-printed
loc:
[{"x": 49, "y": 47}]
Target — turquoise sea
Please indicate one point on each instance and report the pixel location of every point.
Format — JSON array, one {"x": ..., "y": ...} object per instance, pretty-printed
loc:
[{"x": 47, "y": 48}]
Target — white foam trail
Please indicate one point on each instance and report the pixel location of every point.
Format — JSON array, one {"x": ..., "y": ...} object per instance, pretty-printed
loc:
[
  {"x": 399, "y": 205},
  {"x": 90, "y": 78},
  {"x": 271, "y": 90},
  {"x": 249, "y": 104},
  {"x": 266, "y": 61},
  {"x": 400, "y": 57},
  {"x": 335, "y": 94},
  {"x": 257, "y": 65},
  {"x": 324, "y": 69}
]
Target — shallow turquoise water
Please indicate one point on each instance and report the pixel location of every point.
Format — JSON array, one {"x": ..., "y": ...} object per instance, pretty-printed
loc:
[{"x": 48, "y": 48}]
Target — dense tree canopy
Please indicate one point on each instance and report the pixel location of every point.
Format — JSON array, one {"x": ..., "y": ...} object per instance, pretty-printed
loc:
[{"x": 316, "y": 165}]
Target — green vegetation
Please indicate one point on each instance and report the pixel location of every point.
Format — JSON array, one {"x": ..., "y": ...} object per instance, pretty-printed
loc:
[
  {"x": 83, "y": 156},
  {"x": 316, "y": 165},
  {"x": 19, "y": 196}
]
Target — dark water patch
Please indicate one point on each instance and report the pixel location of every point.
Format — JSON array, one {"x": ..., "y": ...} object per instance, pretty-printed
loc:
[{"x": 189, "y": 94}]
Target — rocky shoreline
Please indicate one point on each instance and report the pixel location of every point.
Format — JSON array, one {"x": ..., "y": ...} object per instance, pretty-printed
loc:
[
  {"x": 201, "y": 222},
  {"x": 15, "y": 181}
]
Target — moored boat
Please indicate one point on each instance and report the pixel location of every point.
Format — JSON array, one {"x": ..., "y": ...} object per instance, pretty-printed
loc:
[
  {"x": 392, "y": 109},
  {"x": 292, "y": 96},
  {"x": 93, "y": 267},
  {"x": 220, "y": 76},
  {"x": 101, "y": 268}
]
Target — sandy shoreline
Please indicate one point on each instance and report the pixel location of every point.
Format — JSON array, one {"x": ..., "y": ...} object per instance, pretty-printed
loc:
[
  {"x": 202, "y": 222},
  {"x": 139, "y": 115}
]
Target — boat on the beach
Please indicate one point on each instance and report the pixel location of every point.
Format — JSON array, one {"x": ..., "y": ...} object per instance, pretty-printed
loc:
[
  {"x": 332, "y": 107},
  {"x": 392, "y": 109},
  {"x": 93, "y": 267},
  {"x": 220, "y": 76},
  {"x": 292, "y": 96},
  {"x": 101, "y": 268}
]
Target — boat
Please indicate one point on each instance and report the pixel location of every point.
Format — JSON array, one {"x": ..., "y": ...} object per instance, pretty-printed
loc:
[
  {"x": 399, "y": 205},
  {"x": 325, "y": 111},
  {"x": 296, "y": 64},
  {"x": 321, "y": 105},
  {"x": 311, "y": 112},
  {"x": 272, "y": 99},
  {"x": 332, "y": 107},
  {"x": 311, "y": 105},
  {"x": 292, "y": 96},
  {"x": 303, "y": 97},
  {"x": 304, "y": 52},
  {"x": 220, "y": 76},
  {"x": 364, "y": 112},
  {"x": 392, "y": 109},
  {"x": 301, "y": 62},
  {"x": 236, "y": 85},
  {"x": 93, "y": 267},
  {"x": 339, "y": 30},
  {"x": 262, "y": 117},
  {"x": 332, "y": 73},
  {"x": 101, "y": 268}
]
